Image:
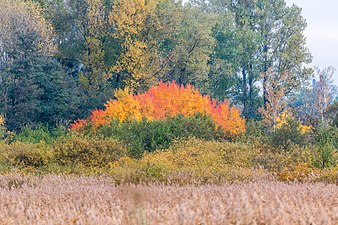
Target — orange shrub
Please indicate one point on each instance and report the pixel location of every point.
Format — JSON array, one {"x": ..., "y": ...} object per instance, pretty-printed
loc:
[{"x": 166, "y": 100}]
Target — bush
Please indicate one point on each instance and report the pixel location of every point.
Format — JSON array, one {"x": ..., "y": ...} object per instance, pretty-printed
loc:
[
  {"x": 191, "y": 161},
  {"x": 162, "y": 102},
  {"x": 325, "y": 156},
  {"x": 326, "y": 142},
  {"x": 289, "y": 135},
  {"x": 89, "y": 152},
  {"x": 326, "y": 134},
  {"x": 155, "y": 135},
  {"x": 6, "y": 136},
  {"x": 22, "y": 155},
  {"x": 40, "y": 134}
]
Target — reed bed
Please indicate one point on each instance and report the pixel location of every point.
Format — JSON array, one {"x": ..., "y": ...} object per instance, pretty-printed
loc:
[{"x": 56, "y": 199}]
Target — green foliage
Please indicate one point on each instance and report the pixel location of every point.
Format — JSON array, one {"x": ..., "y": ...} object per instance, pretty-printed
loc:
[
  {"x": 325, "y": 156},
  {"x": 326, "y": 134},
  {"x": 35, "y": 89},
  {"x": 255, "y": 129},
  {"x": 22, "y": 155},
  {"x": 326, "y": 142},
  {"x": 88, "y": 152},
  {"x": 40, "y": 134},
  {"x": 289, "y": 135},
  {"x": 155, "y": 135}
]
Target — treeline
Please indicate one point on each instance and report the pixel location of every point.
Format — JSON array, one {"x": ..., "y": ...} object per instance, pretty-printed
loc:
[{"x": 59, "y": 60}]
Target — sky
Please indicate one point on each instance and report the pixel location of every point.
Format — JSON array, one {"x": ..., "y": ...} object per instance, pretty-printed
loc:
[{"x": 321, "y": 32}]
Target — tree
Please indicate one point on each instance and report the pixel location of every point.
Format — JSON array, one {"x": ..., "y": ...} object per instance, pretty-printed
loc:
[
  {"x": 313, "y": 99},
  {"x": 283, "y": 43},
  {"x": 184, "y": 54},
  {"x": 17, "y": 20},
  {"x": 129, "y": 18},
  {"x": 324, "y": 91},
  {"x": 275, "y": 99},
  {"x": 331, "y": 113},
  {"x": 237, "y": 48},
  {"x": 34, "y": 87},
  {"x": 253, "y": 36}
]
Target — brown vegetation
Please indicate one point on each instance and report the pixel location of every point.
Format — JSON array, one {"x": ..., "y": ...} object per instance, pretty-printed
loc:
[{"x": 87, "y": 200}]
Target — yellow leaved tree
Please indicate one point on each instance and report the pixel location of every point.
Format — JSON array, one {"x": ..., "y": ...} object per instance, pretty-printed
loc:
[
  {"x": 94, "y": 55},
  {"x": 20, "y": 20},
  {"x": 129, "y": 17}
]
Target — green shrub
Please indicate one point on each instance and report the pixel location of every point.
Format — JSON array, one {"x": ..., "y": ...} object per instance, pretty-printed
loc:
[
  {"x": 289, "y": 136},
  {"x": 255, "y": 129},
  {"x": 326, "y": 142},
  {"x": 325, "y": 156},
  {"x": 154, "y": 135},
  {"x": 85, "y": 151},
  {"x": 40, "y": 134},
  {"x": 326, "y": 134},
  {"x": 277, "y": 160},
  {"x": 19, "y": 154}
]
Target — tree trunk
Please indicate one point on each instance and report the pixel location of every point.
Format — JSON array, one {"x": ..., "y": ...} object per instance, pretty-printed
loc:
[{"x": 245, "y": 92}]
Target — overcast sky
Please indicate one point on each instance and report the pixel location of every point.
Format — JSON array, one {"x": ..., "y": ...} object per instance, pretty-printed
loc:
[{"x": 322, "y": 31}]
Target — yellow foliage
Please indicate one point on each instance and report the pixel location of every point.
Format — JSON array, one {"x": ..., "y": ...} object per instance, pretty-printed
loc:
[
  {"x": 24, "y": 18},
  {"x": 303, "y": 129},
  {"x": 2, "y": 121},
  {"x": 126, "y": 108},
  {"x": 129, "y": 20},
  {"x": 167, "y": 101},
  {"x": 286, "y": 115},
  {"x": 300, "y": 172},
  {"x": 281, "y": 120}
]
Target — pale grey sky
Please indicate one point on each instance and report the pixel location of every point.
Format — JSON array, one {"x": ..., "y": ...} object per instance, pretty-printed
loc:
[{"x": 322, "y": 31}]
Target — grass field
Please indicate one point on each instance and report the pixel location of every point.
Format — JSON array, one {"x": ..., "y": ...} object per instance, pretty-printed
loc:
[{"x": 52, "y": 199}]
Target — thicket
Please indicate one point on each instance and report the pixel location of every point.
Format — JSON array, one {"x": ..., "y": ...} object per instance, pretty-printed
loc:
[
  {"x": 153, "y": 120},
  {"x": 178, "y": 150},
  {"x": 174, "y": 134}
]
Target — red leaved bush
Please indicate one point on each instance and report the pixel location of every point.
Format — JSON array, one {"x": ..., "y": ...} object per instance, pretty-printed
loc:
[{"x": 165, "y": 101}]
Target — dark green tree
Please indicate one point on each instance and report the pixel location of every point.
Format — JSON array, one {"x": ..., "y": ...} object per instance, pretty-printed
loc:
[{"x": 34, "y": 88}]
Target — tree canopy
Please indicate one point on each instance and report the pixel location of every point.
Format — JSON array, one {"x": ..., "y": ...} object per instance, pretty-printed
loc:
[{"x": 62, "y": 59}]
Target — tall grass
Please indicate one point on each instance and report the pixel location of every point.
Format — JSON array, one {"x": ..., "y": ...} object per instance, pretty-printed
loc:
[{"x": 87, "y": 200}]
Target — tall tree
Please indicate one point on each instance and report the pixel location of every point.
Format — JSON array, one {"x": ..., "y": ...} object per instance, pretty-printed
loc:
[
  {"x": 268, "y": 36},
  {"x": 275, "y": 96},
  {"x": 18, "y": 19},
  {"x": 283, "y": 43},
  {"x": 324, "y": 90},
  {"x": 185, "y": 51},
  {"x": 33, "y": 86},
  {"x": 129, "y": 18},
  {"x": 313, "y": 99}
]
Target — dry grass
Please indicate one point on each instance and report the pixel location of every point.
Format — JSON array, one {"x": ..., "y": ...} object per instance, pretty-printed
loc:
[{"x": 88, "y": 200}]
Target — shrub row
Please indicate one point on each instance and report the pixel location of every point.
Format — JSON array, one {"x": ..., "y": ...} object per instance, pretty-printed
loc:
[
  {"x": 186, "y": 161},
  {"x": 148, "y": 136}
]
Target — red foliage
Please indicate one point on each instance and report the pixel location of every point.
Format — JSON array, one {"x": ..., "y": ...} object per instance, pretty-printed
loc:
[{"x": 168, "y": 100}]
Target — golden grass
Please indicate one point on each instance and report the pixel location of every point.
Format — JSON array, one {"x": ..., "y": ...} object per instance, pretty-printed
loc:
[{"x": 52, "y": 199}]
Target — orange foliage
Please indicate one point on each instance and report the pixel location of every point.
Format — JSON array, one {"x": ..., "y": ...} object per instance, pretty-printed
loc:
[
  {"x": 98, "y": 118},
  {"x": 167, "y": 100},
  {"x": 78, "y": 125}
]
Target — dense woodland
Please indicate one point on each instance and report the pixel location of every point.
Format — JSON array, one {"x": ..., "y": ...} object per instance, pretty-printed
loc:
[
  {"x": 62, "y": 59},
  {"x": 146, "y": 73}
]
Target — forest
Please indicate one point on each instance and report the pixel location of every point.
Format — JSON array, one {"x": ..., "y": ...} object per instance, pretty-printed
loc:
[{"x": 164, "y": 94}]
